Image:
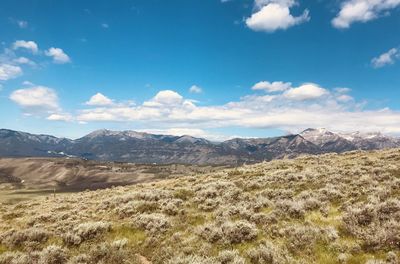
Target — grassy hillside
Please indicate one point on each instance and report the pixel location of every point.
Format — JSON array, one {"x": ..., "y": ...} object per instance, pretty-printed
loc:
[{"x": 322, "y": 209}]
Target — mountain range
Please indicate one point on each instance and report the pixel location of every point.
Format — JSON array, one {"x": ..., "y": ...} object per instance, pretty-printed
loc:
[{"x": 140, "y": 147}]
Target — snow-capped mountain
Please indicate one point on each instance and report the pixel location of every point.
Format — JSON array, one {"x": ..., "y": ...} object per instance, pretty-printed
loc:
[{"x": 140, "y": 147}]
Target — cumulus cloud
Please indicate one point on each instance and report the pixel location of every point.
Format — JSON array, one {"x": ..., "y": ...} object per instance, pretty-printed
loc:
[
  {"x": 58, "y": 55},
  {"x": 195, "y": 89},
  {"x": 37, "y": 99},
  {"x": 99, "y": 100},
  {"x": 308, "y": 105},
  {"x": 29, "y": 45},
  {"x": 272, "y": 15},
  {"x": 8, "y": 71},
  {"x": 271, "y": 87},
  {"x": 352, "y": 11},
  {"x": 60, "y": 117},
  {"x": 166, "y": 97},
  {"x": 305, "y": 92},
  {"x": 386, "y": 58}
]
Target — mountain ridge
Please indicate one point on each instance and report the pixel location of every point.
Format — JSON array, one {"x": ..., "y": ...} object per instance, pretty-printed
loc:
[{"x": 142, "y": 147}]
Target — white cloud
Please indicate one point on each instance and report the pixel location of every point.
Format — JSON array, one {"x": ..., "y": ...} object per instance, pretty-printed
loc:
[
  {"x": 24, "y": 60},
  {"x": 386, "y": 58},
  {"x": 58, "y": 55},
  {"x": 362, "y": 11},
  {"x": 274, "y": 15},
  {"x": 8, "y": 71},
  {"x": 195, "y": 89},
  {"x": 271, "y": 87},
  {"x": 342, "y": 90},
  {"x": 99, "y": 100},
  {"x": 260, "y": 3},
  {"x": 297, "y": 108},
  {"x": 165, "y": 97},
  {"x": 105, "y": 25},
  {"x": 305, "y": 92},
  {"x": 29, "y": 45},
  {"x": 28, "y": 83},
  {"x": 36, "y": 99},
  {"x": 60, "y": 117},
  {"x": 344, "y": 98}
]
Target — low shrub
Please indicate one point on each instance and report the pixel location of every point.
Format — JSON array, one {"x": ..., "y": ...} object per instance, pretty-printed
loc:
[
  {"x": 267, "y": 253},
  {"x": 228, "y": 232},
  {"x": 13, "y": 238},
  {"x": 153, "y": 223},
  {"x": 86, "y": 231}
]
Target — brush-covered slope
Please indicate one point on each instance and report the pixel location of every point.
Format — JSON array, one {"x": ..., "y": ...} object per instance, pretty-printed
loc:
[
  {"x": 72, "y": 174},
  {"x": 314, "y": 209}
]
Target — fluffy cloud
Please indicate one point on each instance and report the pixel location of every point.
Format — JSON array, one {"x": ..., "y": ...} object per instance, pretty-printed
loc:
[
  {"x": 195, "y": 89},
  {"x": 60, "y": 117},
  {"x": 290, "y": 110},
  {"x": 271, "y": 87},
  {"x": 386, "y": 58},
  {"x": 29, "y": 45},
  {"x": 166, "y": 97},
  {"x": 37, "y": 99},
  {"x": 99, "y": 100},
  {"x": 58, "y": 55},
  {"x": 305, "y": 92},
  {"x": 8, "y": 71},
  {"x": 362, "y": 11},
  {"x": 272, "y": 15}
]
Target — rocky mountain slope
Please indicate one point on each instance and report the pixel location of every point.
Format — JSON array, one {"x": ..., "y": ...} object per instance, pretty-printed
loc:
[{"x": 138, "y": 147}]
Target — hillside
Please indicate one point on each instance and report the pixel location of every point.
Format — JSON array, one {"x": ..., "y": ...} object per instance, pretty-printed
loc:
[
  {"x": 74, "y": 174},
  {"x": 332, "y": 208},
  {"x": 139, "y": 147}
]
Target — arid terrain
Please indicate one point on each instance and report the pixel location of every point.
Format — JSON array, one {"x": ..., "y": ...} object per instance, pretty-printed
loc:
[
  {"x": 23, "y": 178},
  {"x": 333, "y": 208}
]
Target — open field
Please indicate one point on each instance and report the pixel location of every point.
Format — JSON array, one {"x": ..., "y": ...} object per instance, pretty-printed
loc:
[{"x": 313, "y": 209}]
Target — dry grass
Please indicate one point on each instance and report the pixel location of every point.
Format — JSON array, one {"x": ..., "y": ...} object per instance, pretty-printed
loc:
[{"x": 313, "y": 209}]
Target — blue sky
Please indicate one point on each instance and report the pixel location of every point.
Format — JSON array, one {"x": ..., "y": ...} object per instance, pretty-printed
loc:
[{"x": 208, "y": 68}]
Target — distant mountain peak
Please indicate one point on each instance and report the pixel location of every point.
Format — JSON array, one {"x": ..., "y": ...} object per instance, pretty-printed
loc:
[
  {"x": 315, "y": 131},
  {"x": 106, "y": 132},
  {"x": 141, "y": 147}
]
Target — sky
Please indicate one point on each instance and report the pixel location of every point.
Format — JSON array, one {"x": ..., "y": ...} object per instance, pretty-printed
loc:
[{"x": 208, "y": 68}]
